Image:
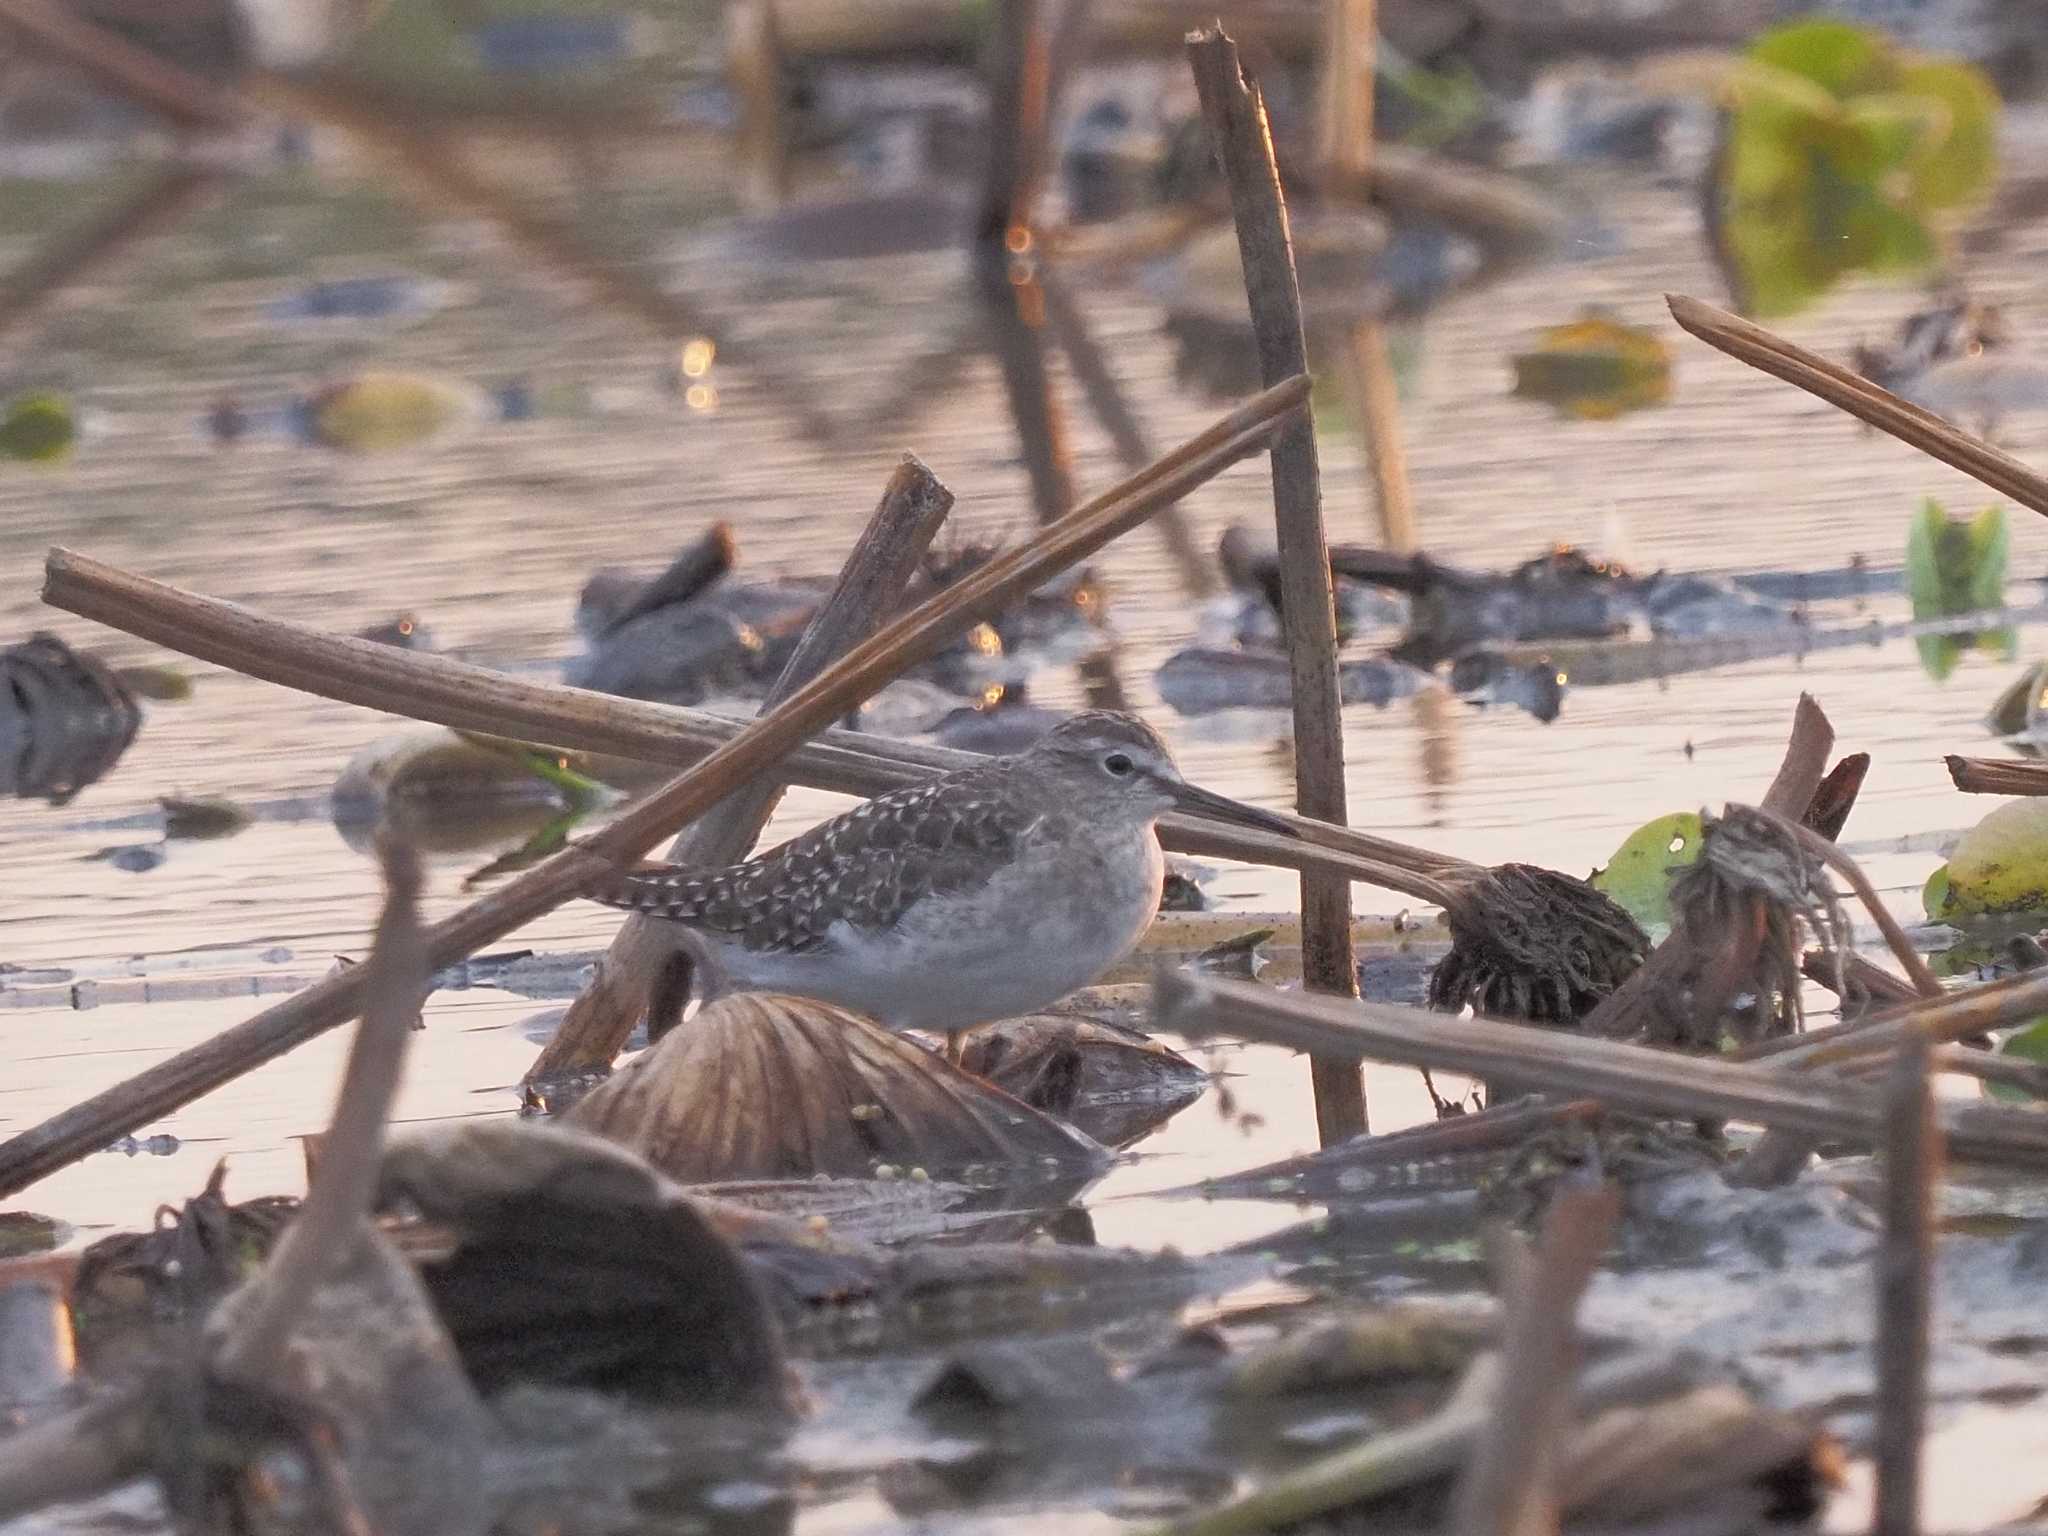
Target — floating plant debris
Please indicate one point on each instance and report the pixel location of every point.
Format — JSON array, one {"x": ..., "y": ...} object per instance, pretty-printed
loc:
[
  {"x": 37, "y": 428},
  {"x": 1595, "y": 369}
]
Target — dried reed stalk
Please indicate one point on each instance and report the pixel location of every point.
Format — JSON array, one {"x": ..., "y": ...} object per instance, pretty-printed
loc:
[
  {"x": 1862, "y": 399},
  {"x": 142, "y": 77},
  {"x": 1905, "y": 1289},
  {"x": 1509, "y": 1487},
  {"x": 1997, "y": 776},
  {"x": 423, "y": 686},
  {"x": 1629, "y": 1077},
  {"x": 1238, "y": 126}
]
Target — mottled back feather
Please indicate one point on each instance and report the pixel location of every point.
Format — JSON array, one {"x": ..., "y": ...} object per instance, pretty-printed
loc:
[{"x": 864, "y": 867}]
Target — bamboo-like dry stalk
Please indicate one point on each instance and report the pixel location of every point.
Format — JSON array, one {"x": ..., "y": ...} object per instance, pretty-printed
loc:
[
  {"x": 1238, "y": 126},
  {"x": 337, "y": 1205},
  {"x": 109, "y": 1441},
  {"x": 1997, "y": 776},
  {"x": 1509, "y": 1487},
  {"x": 756, "y": 749},
  {"x": 1905, "y": 1289},
  {"x": 1625, "y": 1076},
  {"x": 1872, "y": 403},
  {"x": 423, "y": 686}
]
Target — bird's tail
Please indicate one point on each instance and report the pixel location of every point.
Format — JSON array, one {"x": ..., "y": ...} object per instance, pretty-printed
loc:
[{"x": 654, "y": 890}]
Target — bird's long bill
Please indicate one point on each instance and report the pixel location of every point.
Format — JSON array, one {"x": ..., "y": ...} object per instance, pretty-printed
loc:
[{"x": 1200, "y": 801}]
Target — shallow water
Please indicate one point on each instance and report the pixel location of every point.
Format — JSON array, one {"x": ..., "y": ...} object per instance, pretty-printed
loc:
[{"x": 488, "y": 534}]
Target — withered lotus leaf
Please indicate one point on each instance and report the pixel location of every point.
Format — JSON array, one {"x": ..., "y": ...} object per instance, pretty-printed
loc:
[{"x": 762, "y": 1086}]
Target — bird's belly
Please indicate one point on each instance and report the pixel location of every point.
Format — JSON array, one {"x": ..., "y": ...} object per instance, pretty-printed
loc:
[{"x": 991, "y": 955}]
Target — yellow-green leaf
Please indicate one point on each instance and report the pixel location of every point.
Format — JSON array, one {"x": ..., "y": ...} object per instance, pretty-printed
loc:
[{"x": 1638, "y": 877}]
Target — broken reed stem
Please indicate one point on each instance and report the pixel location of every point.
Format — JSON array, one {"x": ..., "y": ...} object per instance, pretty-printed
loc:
[
  {"x": 1862, "y": 399},
  {"x": 1243, "y": 140},
  {"x": 1509, "y": 1487},
  {"x": 1995, "y": 776},
  {"x": 1905, "y": 1286},
  {"x": 109, "y": 58},
  {"x": 753, "y": 70},
  {"x": 1629, "y": 1077},
  {"x": 1805, "y": 763},
  {"x": 1019, "y": 84},
  {"x": 396, "y": 979},
  {"x": 1344, "y": 157},
  {"x": 439, "y": 689},
  {"x": 870, "y": 587},
  {"x": 754, "y": 750},
  {"x": 1344, "y": 96}
]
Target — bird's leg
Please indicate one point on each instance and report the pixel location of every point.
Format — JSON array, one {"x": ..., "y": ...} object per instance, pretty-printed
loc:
[{"x": 956, "y": 1045}]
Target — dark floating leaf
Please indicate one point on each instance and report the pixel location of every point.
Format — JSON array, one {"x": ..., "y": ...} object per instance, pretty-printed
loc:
[
  {"x": 202, "y": 819},
  {"x": 760, "y": 1086},
  {"x": 65, "y": 719},
  {"x": 24, "y": 1232},
  {"x": 575, "y": 1263}
]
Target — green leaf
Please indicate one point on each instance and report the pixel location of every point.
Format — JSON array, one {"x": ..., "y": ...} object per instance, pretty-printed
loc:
[
  {"x": 2029, "y": 1044},
  {"x": 1999, "y": 865},
  {"x": 1934, "y": 895},
  {"x": 37, "y": 428},
  {"x": 1960, "y": 166},
  {"x": 1955, "y": 567},
  {"x": 1890, "y": 129},
  {"x": 1638, "y": 877},
  {"x": 1838, "y": 57}
]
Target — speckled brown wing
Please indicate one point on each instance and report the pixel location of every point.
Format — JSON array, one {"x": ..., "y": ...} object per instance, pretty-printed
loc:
[{"x": 864, "y": 867}]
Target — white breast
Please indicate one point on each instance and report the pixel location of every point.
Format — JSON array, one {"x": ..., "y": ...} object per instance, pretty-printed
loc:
[{"x": 1055, "y": 920}]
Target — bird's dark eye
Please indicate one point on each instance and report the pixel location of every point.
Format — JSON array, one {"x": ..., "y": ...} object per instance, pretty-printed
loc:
[{"x": 1118, "y": 764}]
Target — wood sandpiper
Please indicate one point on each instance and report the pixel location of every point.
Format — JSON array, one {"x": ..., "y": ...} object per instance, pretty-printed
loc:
[{"x": 982, "y": 894}]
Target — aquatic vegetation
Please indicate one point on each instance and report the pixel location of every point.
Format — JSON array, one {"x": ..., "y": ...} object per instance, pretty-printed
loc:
[
  {"x": 1595, "y": 368},
  {"x": 1638, "y": 877},
  {"x": 383, "y": 412},
  {"x": 1840, "y": 152},
  {"x": 1953, "y": 568},
  {"x": 38, "y": 428},
  {"x": 2000, "y": 865}
]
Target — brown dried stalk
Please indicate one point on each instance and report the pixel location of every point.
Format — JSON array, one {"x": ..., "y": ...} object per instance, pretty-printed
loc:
[
  {"x": 1861, "y": 398},
  {"x": 1243, "y": 139},
  {"x": 1630, "y": 1077},
  {"x": 1997, "y": 776}
]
